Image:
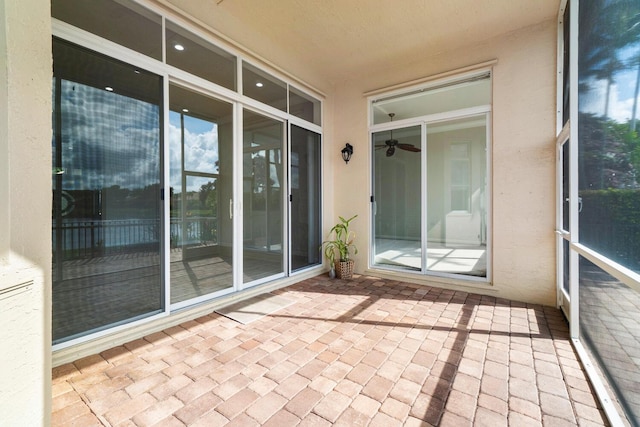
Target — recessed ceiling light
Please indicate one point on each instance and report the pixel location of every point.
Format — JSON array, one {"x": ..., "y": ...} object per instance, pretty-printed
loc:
[
  {"x": 178, "y": 47},
  {"x": 108, "y": 89},
  {"x": 185, "y": 110},
  {"x": 259, "y": 84}
]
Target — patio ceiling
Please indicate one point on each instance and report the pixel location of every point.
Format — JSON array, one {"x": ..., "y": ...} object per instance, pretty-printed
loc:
[{"x": 337, "y": 39}]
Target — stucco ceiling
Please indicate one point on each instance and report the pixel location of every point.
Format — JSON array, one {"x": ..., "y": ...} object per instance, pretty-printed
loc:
[{"x": 327, "y": 41}]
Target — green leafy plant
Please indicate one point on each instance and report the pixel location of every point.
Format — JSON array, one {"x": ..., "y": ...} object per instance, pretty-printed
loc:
[{"x": 342, "y": 243}]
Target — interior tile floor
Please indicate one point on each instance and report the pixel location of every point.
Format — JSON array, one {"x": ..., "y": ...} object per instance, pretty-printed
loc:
[
  {"x": 460, "y": 259},
  {"x": 347, "y": 352}
]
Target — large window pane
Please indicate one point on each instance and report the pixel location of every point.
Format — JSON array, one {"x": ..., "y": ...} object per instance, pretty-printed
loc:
[
  {"x": 609, "y": 189},
  {"x": 197, "y": 56},
  {"x": 123, "y": 22},
  {"x": 263, "y": 186},
  {"x": 397, "y": 195},
  {"x": 305, "y": 198},
  {"x": 201, "y": 176},
  {"x": 456, "y": 196},
  {"x": 106, "y": 180},
  {"x": 609, "y": 145}
]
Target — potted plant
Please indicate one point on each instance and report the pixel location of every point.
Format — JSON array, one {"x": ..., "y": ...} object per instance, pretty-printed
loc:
[{"x": 339, "y": 248}]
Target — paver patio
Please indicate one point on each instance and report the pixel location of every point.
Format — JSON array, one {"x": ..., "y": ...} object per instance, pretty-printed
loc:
[{"x": 360, "y": 352}]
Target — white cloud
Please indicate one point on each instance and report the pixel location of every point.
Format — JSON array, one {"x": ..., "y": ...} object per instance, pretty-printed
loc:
[
  {"x": 621, "y": 97},
  {"x": 201, "y": 154}
]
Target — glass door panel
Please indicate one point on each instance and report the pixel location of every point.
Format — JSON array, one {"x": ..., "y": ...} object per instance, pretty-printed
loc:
[
  {"x": 201, "y": 177},
  {"x": 397, "y": 198},
  {"x": 305, "y": 198},
  {"x": 456, "y": 196},
  {"x": 263, "y": 209},
  {"x": 106, "y": 199}
]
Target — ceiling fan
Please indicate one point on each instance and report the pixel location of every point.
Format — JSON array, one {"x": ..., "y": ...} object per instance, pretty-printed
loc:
[{"x": 391, "y": 144}]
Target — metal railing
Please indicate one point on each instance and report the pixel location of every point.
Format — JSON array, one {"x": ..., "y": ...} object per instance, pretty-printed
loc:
[{"x": 77, "y": 239}]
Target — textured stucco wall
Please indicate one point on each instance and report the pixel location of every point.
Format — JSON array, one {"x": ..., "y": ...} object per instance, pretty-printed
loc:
[
  {"x": 522, "y": 165},
  {"x": 25, "y": 212}
]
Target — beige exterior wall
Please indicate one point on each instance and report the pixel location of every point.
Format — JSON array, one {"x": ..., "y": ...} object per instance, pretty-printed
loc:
[
  {"x": 25, "y": 212},
  {"x": 523, "y": 160}
]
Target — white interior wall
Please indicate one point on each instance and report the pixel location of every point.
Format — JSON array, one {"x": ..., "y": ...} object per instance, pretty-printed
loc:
[
  {"x": 439, "y": 178},
  {"x": 522, "y": 164},
  {"x": 25, "y": 212}
]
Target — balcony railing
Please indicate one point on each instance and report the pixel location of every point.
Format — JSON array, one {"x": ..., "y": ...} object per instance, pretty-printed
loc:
[{"x": 77, "y": 239}]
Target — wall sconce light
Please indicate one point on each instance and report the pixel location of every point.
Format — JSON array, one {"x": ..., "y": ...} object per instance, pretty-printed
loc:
[{"x": 347, "y": 151}]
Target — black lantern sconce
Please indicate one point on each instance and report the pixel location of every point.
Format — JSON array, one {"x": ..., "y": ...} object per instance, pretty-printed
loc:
[{"x": 347, "y": 152}]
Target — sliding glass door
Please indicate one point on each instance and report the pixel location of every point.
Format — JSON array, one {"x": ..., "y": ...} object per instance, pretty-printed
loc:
[
  {"x": 106, "y": 192},
  {"x": 397, "y": 208},
  {"x": 201, "y": 178},
  {"x": 430, "y": 177},
  {"x": 304, "y": 198},
  {"x": 177, "y": 174},
  {"x": 263, "y": 187},
  {"x": 457, "y": 196},
  {"x": 430, "y": 197}
]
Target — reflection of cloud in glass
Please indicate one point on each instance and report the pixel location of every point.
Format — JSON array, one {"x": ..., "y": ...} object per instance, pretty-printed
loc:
[
  {"x": 593, "y": 98},
  {"x": 200, "y": 148},
  {"x": 108, "y": 139},
  {"x": 200, "y": 145},
  {"x": 620, "y": 99}
]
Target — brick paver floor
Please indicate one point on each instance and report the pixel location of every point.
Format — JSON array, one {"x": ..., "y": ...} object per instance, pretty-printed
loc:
[{"x": 361, "y": 352}]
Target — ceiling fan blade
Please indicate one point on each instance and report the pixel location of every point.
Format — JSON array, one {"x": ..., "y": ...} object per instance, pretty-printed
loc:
[{"x": 409, "y": 147}]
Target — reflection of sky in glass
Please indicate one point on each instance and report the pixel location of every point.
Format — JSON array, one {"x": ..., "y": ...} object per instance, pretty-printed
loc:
[
  {"x": 108, "y": 139},
  {"x": 200, "y": 145},
  {"x": 621, "y": 92},
  {"x": 200, "y": 148}
]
